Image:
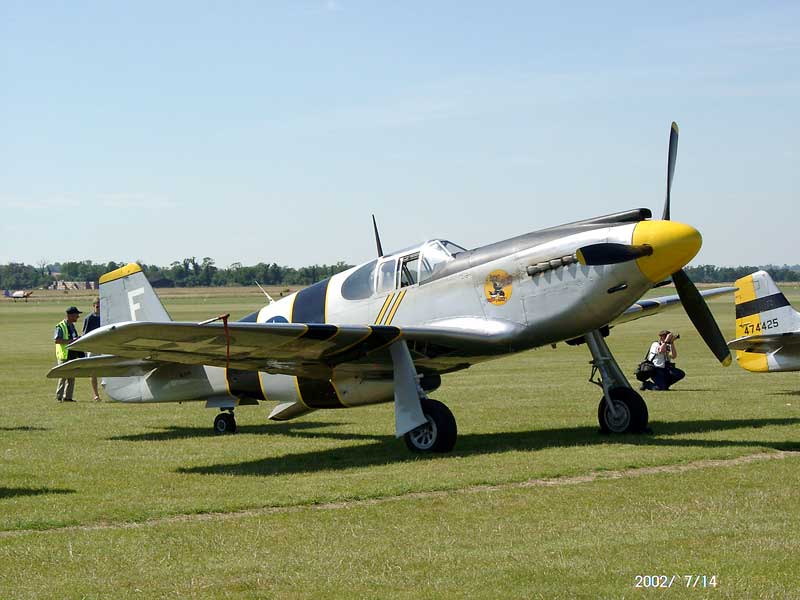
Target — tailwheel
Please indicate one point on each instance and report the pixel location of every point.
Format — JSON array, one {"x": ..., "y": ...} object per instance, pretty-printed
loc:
[
  {"x": 438, "y": 434},
  {"x": 224, "y": 423},
  {"x": 631, "y": 412}
]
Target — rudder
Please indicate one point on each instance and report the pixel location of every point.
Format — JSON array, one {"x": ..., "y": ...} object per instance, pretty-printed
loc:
[{"x": 126, "y": 295}]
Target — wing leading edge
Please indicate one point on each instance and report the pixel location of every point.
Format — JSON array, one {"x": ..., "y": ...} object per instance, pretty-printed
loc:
[{"x": 651, "y": 306}]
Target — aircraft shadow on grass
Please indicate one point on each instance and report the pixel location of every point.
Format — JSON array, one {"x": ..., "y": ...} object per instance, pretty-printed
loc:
[
  {"x": 385, "y": 451},
  {"x": 6, "y": 492},
  {"x": 24, "y": 428},
  {"x": 298, "y": 429}
]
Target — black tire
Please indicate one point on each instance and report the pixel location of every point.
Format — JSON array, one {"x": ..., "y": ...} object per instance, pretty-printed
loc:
[
  {"x": 438, "y": 435},
  {"x": 632, "y": 412},
  {"x": 224, "y": 423}
]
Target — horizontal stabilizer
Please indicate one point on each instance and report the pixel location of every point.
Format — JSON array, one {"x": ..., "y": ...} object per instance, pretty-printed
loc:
[
  {"x": 765, "y": 343},
  {"x": 103, "y": 365}
]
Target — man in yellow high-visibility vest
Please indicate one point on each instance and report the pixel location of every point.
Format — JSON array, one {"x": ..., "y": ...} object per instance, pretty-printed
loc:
[{"x": 66, "y": 334}]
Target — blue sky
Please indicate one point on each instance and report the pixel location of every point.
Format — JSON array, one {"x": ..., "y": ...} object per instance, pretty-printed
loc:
[{"x": 270, "y": 131}]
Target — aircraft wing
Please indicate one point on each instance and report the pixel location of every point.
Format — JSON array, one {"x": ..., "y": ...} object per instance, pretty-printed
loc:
[
  {"x": 651, "y": 306},
  {"x": 104, "y": 365},
  {"x": 765, "y": 344},
  {"x": 310, "y": 350}
]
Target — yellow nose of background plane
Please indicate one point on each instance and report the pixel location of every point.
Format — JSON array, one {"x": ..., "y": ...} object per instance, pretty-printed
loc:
[{"x": 674, "y": 245}]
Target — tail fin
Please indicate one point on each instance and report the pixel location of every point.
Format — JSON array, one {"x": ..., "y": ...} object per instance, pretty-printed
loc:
[
  {"x": 6, "y": 293},
  {"x": 126, "y": 295},
  {"x": 761, "y": 310}
]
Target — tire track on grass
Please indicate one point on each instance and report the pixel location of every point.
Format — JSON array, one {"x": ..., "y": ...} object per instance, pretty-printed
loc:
[{"x": 472, "y": 489}]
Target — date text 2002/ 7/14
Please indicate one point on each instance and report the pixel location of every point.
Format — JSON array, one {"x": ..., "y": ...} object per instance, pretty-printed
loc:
[{"x": 667, "y": 581}]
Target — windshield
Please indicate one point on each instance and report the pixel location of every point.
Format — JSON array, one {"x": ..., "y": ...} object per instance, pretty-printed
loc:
[
  {"x": 434, "y": 258},
  {"x": 359, "y": 284},
  {"x": 386, "y": 276}
]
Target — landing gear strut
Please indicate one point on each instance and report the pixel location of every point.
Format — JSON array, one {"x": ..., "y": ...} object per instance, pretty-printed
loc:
[
  {"x": 621, "y": 409},
  {"x": 225, "y": 422}
]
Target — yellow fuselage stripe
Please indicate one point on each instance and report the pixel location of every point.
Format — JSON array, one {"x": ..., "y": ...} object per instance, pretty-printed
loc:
[
  {"x": 383, "y": 308},
  {"x": 397, "y": 302},
  {"x": 228, "y": 386},
  {"x": 299, "y": 395},
  {"x": 338, "y": 395},
  {"x": 262, "y": 376}
]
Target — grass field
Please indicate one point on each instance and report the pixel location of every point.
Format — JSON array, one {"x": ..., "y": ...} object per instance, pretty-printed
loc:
[{"x": 114, "y": 501}]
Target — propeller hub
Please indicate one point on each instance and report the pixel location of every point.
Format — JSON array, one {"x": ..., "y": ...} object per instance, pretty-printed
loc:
[{"x": 674, "y": 245}]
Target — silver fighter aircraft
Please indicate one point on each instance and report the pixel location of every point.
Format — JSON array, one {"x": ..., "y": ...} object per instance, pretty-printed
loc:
[{"x": 387, "y": 330}]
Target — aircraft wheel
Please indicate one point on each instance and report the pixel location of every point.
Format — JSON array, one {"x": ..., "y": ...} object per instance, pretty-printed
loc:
[
  {"x": 224, "y": 423},
  {"x": 631, "y": 412},
  {"x": 438, "y": 434}
]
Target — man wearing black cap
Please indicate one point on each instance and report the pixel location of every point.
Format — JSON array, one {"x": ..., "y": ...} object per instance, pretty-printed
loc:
[{"x": 65, "y": 335}]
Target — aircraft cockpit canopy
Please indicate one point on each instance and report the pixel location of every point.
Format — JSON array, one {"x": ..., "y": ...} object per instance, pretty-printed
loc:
[{"x": 407, "y": 267}]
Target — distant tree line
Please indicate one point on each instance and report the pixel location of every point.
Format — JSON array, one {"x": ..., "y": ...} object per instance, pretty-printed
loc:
[
  {"x": 185, "y": 273},
  {"x": 190, "y": 273},
  {"x": 712, "y": 274}
]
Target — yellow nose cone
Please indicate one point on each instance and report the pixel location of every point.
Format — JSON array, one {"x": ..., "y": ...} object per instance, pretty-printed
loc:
[{"x": 674, "y": 245}]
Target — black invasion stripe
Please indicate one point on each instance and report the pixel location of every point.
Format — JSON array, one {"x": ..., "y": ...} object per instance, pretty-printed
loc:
[
  {"x": 309, "y": 304},
  {"x": 320, "y": 332},
  {"x": 244, "y": 384},
  {"x": 318, "y": 393},
  {"x": 759, "y": 305},
  {"x": 380, "y": 336},
  {"x": 251, "y": 318}
]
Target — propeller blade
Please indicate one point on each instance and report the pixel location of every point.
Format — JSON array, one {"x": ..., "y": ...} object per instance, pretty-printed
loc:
[
  {"x": 700, "y": 315},
  {"x": 672, "y": 156},
  {"x": 611, "y": 254},
  {"x": 377, "y": 237}
]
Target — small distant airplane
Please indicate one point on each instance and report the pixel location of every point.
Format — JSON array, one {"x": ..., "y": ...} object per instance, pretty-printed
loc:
[
  {"x": 387, "y": 330},
  {"x": 767, "y": 325},
  {"x": 18, "y": 295}
]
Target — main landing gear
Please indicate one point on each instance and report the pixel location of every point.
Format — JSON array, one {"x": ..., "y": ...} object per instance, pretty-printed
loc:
[
  {"x": 225, "y": 422},
  {"x": 438, "y": 434},
  {"x": 621, "y": 409}
]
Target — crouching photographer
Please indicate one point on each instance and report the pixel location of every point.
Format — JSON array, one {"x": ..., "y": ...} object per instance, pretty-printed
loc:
[{"x": 662, "y": 353}]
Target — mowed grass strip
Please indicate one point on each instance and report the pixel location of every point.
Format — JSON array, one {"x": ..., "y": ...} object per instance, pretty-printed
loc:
[
  {"x": 524, "y": 417},
  {"x": 734, "y": 523},
  {"x": 542, "y": 482}
]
